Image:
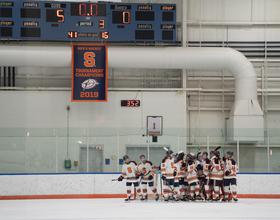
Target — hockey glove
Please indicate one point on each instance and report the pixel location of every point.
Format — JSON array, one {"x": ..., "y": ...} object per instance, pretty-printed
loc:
[
  {"x": 120, "y": 178},
  {"x": 150, "y": 177},
  {"x": 137, "y": 176},
  {"x": 211, "y": 168},
  {"x": 227, "y": 172},
  {"x": 175, "y": 173},
  {"x": 184, "y": 164},
  {"x": 203, "y": 176},
  {"x": 163, "y": 177}
]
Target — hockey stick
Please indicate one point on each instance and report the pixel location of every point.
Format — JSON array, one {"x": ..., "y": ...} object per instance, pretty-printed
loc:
[
  {"x": 222, "y": 181},
  {"x": 143, "y": 176},
  {"x": 117, "y": 179},
  {"x": 160, "y": 185},
  {"x": 123, "y": 179},
  {"x": 168, "y": 183},
  {"x": 196, "y": 149},
  {"x": 161, "y": 189},
  {"x": 223, "y": 142}
]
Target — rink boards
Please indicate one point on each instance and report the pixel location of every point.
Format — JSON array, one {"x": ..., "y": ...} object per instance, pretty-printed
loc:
[{"x": 92, "y": 185}]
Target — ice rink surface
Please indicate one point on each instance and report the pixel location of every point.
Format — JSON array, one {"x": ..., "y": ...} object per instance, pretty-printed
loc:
[{"x": 86, "y": 209}]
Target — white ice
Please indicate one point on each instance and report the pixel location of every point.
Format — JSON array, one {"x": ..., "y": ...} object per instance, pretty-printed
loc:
[{"x": 86, "y": 209}]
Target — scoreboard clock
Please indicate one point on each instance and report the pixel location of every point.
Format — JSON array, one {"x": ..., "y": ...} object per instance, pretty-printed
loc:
[
  {"x": 130, "y": 103},
  {"x": 87, "y": 21}
]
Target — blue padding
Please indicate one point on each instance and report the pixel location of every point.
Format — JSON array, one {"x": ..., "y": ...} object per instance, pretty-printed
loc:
[{"x": 107, "y": 161}]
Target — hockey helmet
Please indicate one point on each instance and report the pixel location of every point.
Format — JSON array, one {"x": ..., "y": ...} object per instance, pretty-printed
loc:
[
  {"x": 169, "y": 152},
  {"x": 181, "y": 154},
  {"x": 217, "y": 153},
  {"x": 230, "y": 153},
  {"x": 125, "y": 157},
  {"x": 190, "y": 157}
]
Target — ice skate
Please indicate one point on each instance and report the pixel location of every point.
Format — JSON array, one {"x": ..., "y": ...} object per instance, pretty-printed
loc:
[{"x": 127, "y": 199}]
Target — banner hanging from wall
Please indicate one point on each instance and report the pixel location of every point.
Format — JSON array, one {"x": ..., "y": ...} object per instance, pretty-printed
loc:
[{"x": 89, "y": 73}]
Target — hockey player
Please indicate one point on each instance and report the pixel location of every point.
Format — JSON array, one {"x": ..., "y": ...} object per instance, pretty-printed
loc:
[
  {"x": 192, "y": 178},
  {"x": 205, "y": 175},
  {"x": 168, "y": 171},
  {"x": 130, "y": 170},
  {"x": 199, "y": 173},
  {"x": 147, "y": 172},
  {"x": 180, "y": 186},
  {"x": 230, "y": 176},
  {"x": 216, "y": 168},
  {"x": 176, "y": 177}
]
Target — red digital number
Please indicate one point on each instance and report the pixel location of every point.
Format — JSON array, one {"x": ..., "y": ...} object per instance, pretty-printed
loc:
[
  {"x": 83, "y": 10},
  {"x": 92, "y": 10},
  {"x": 104, "y": 35},
  {"x": 60, "y": 14},
  {"x": 72, "y": 34},
  {"x": 126, "y": 17},
  {"x": 101, "y": 24}
]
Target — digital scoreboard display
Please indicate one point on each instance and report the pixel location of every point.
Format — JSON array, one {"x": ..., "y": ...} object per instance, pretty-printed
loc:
[
  {"x": 87, "y": 21},
  {"x": 130, "y": 103}
]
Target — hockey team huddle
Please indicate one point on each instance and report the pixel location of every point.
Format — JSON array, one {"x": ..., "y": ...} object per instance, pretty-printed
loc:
[{"x": 190, "y": 178}]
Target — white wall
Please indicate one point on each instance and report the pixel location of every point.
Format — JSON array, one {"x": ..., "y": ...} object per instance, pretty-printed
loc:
[
  {"x": 47, "y": 109},
  {"x": 41, "y": 116},
  {"x": 16, "y": 185}
]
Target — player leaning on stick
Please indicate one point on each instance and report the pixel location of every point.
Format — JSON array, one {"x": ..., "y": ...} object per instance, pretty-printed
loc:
[
  {"x": 130, "y": 170},
  {"x": 168, "y": 171},
  {"x": 230, "y": 176},
  {"x": 147, "y": 172}
]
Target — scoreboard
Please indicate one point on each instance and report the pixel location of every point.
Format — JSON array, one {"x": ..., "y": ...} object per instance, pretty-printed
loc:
[{"x": 87, "y": 21}]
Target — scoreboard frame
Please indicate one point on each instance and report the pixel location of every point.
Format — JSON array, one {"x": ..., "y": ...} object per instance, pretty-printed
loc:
[{"x": 87, "y": 21}]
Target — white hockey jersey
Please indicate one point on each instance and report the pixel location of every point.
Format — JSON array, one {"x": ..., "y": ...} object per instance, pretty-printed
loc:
[
  {"x": 181, "y": 171},
  {"x": 146, "y": 169},
  {"x": 130, "y": 171},
  {"x": 217, "y": 172},
  {"x": 192, "y": 172},
  {"x": 231, "y": 166},
  {"x": 168, "y": 168},
  {"x": 205, "y": 165}
]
